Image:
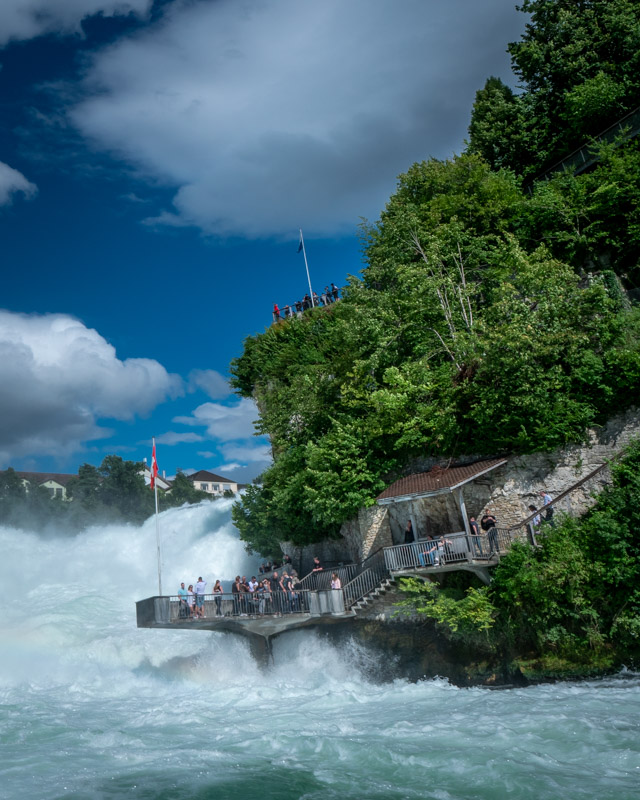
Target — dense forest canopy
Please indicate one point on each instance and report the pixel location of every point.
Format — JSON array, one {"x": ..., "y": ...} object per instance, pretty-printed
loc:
[{"x": 492, "y": 314}]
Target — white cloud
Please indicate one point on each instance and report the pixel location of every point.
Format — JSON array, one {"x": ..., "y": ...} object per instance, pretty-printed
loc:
[
  {"x": 210, "y": 381},
  {"x": 24, "y": 19},
  {"x": 232, "y": 467},
  {"x": 58, "y": 378},
  {"x": 12, "y": 182},
  {"x": 249, "y": 453},
  {"x": 171, "y": 437},
  {"x": 207, "y": 454},
  {"x": 224, "y": 423},
  {"x": 268, "y": 115}
]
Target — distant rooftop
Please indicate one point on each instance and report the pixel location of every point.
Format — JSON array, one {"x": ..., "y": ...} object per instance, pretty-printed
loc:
[
  {"x": 204, "y": 475},
  {"x": 437, "y": 481},
  {"x": 62, "y": 478}
]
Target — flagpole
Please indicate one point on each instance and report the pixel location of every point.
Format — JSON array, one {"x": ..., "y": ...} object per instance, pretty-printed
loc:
[
  {"x": 304, "y": 253},
  {"x": 155, "y": 491}
]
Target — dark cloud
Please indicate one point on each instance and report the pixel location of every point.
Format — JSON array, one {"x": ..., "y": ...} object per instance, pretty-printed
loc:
[{"x": 268, "y": 116}]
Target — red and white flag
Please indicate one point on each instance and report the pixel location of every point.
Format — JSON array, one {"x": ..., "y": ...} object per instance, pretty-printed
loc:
[{"x": 154, "y": 466}]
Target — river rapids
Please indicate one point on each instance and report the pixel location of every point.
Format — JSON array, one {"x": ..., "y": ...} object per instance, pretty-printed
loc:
[{"x": 92, "y": 707}]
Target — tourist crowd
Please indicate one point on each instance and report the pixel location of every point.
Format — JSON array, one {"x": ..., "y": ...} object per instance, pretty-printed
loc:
[
  {"x": 275, "y": 595},
  {"x": 330, "y": 295}
]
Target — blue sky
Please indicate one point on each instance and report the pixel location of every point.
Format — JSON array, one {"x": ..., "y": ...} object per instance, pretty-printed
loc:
[{"x": 156, "y": 162}]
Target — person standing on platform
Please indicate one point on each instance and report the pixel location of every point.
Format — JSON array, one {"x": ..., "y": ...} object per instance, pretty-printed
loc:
[
  {"x": 488, "y": 525},
  {"x": 218, "y": 591},
  {"x": 475, "y": 534},
  {"x": 200, "y": 590},
  {"x": 183, "y": 597},
  {"x": 276, "y": 589}
]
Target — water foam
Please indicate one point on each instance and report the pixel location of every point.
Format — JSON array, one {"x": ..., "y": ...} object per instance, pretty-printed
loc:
[{"x": 189, "y": 714}]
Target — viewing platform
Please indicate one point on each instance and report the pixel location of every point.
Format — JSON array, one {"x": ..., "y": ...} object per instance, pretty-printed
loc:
[
  {"x": 312, "y": 602},
  {"x": 246, "y": 615}
]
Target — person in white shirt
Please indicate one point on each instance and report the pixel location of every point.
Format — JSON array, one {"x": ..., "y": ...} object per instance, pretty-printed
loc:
[{"x": 200, "y": 589}]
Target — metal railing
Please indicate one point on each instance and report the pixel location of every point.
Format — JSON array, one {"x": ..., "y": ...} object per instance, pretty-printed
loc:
[
  {"x": 583, "y": 157},
  {"x": 321, "y": 580},
  {"x": 452, "y": 549},
  {"x": 564, "y": 503},
  {"x": 297, "y": 309},
  {"x": 370, "y": 574},
  {"x": 245, "y": 604}
]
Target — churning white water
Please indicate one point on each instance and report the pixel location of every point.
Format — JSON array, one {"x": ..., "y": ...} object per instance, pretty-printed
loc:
[{"x": 92, "y": 707}]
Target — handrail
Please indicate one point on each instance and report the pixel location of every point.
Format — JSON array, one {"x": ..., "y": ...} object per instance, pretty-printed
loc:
[
  {"x": 567, "y": 492},
  {"x": 320, "y": 580},
  {"x": 370, "y": 574},
  {"x": 598, "y": 137}
]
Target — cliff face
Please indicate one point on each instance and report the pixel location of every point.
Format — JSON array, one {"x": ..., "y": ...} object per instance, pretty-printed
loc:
[{"x": 507, "y": 491}]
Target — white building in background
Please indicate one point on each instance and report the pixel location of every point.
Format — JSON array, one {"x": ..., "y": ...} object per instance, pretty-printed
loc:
[
  {"x": 161, "y": 480},
  {"x": 213, "y": 484},
  {"x": 54, "y": 482}
]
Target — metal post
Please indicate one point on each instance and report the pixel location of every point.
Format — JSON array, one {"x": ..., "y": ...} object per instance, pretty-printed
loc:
[
  {"x": 155, "y": 491},
  {"x": 304, "y": 253}
]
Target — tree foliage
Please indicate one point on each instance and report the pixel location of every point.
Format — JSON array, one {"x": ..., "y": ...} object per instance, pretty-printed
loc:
[
  {"x": 578, "y": 64},
  {"x": 579, "y": 592},
  {"x": 474, "y": 328}
]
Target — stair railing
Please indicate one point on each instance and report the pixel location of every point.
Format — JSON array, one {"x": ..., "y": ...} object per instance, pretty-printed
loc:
[{"x": 371, "y": 572}]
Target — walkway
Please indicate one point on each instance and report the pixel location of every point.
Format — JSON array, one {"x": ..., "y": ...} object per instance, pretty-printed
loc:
[{"x": 313, "y": 602}]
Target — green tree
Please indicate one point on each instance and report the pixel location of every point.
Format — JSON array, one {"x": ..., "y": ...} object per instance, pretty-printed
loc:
[{"x": 578, "y": 65}]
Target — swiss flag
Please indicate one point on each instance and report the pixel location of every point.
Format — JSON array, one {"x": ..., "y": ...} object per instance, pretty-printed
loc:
[{"x": 154, "y": 466}]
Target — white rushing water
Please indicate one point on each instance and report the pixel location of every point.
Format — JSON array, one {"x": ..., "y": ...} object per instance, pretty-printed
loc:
[{"x": 92, "y": 707}]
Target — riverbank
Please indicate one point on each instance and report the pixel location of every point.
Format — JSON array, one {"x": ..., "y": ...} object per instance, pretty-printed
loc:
[{"x": 416, "y": 650}]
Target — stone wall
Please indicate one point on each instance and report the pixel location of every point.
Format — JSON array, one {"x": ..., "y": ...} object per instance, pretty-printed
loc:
[
  {"x": 368, "y": 532},
  {"x": 516, "y": 485},
  {"x": 507, "y": 491}
]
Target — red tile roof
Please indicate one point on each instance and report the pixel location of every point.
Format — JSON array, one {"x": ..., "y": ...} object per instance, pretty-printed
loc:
[{"x": 438, "y": 480}]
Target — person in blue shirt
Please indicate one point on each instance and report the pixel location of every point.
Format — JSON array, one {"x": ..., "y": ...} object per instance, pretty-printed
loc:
[{"x": 184, "y": 605}]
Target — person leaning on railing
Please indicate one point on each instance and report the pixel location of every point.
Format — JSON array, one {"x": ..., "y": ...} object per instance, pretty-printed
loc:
[{"x": 488, "y": 525}]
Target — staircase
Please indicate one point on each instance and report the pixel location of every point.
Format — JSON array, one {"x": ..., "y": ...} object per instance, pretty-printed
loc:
[{"x": 365, "y": 603}]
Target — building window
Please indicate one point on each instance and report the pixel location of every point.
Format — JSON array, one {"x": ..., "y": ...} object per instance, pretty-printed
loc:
[
  {"x": 226, "y": 487},
  {"x": 204, "y": 487},
  {"x": 215, "y": 487}
]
